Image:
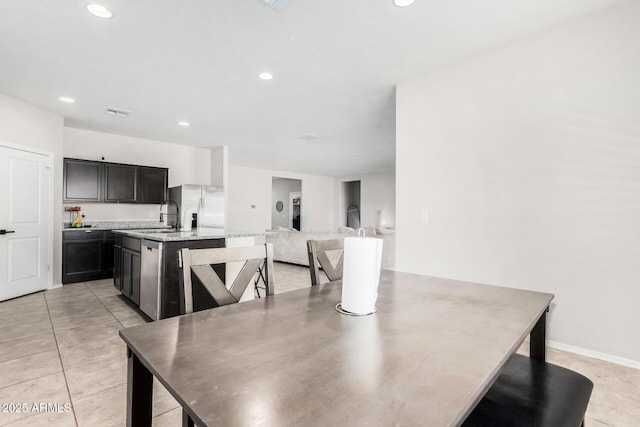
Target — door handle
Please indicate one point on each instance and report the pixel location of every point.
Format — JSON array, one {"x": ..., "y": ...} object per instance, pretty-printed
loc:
[{"x": 6, "y": 231}]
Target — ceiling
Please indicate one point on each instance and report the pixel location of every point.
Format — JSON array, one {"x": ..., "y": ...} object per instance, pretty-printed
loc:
[{"x": 329, "y": 110}]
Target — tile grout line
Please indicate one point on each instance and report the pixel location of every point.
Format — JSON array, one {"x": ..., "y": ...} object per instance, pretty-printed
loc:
[
  {"x": 33, "y": 338},
  {"x": 112, "y": 315},
  {"x": 167, "y": 411},
  {"x": 64, "y": 373},
  {"x": 118, "y": 320},
  {"x": 104, "y": 305}
]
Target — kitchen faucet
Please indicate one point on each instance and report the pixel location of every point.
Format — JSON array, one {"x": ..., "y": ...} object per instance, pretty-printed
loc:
[{"x": 177, "y": 214}]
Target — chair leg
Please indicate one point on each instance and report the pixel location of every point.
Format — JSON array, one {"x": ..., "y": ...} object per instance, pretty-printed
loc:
[{"x": 255, "y": 284}]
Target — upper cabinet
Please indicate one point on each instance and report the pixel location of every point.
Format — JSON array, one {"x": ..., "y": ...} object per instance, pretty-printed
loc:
[
  {"x": 90, "y": 181},
  {"x": 120, "y": 183},
  {"x": 82, "y": 181},
  {"x": 152, "y": 184}
]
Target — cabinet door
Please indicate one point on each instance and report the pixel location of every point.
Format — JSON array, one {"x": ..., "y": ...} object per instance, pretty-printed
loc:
[
  {"x": 82, "y": 260},
  {"x": 120, "y": 182},
  {"x": 126, "y": 272},
  {"x": 135, "y": 277},
  {"x": 130, "y": 273},
  {"x": 107, "y": 254},
  {"x": 152, "y": 184},
  {"x": 117, "y": 271},
  {"x": 82, "y": 181}
]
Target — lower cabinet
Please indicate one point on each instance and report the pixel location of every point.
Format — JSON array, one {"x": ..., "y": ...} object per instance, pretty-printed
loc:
[
  {"x": 86, "y": 255},
  {"x": 117, "y": 261},
  {"x": 128, "y": 265}
]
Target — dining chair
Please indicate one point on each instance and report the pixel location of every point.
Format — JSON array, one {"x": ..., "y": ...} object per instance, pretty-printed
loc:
[
  {"x": 318, "y": 257},
  {"x": 533, "y": 393},
  {"x": 200, "y": 262}
]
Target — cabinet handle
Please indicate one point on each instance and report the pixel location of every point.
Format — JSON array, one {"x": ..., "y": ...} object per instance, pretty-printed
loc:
[{"x": 6, "y": 231}]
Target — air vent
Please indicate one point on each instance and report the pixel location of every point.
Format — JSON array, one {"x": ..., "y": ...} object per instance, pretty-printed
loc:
[
  {"x": 277, "y": 5},
  {"x": 119, "y": 112}
]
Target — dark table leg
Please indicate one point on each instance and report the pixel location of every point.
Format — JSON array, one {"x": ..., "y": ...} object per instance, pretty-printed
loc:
[
  {"x": 538, "y": 338},
  {"x": 139, "y": 392},
  {"x": 186, "y": 420}
]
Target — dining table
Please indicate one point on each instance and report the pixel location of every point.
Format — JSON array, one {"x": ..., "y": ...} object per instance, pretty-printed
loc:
[{"x": 426, "y": 356}]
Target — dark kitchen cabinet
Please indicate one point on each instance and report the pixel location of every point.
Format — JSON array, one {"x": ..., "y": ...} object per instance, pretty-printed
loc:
[
  {"x": 107, "y": 253},
  {"x": 130, "y": 269},
  {"x": 89, "y": 181},
  {"x": 86, "y": 255},
  {"x": 120, "y": 182},
  {"x": 117, "y": 260},
  {"x": 152, "y": 184},
  {"x": 82, "y": 181}
]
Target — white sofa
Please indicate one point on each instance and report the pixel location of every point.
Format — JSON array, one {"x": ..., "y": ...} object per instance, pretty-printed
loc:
[{"x": 291, "y": 245}]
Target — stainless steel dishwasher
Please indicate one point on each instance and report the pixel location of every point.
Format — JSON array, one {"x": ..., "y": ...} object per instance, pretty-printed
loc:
[{"x": 150, "y": 277}]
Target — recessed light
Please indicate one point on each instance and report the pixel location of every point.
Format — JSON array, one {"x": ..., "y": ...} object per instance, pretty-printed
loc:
[
  {"x": 99, "y": 11},
  {"x": 185, "y": 124},
  {"x": 265, "y": 76},
  {"x": 403, "y": 3},
  {"x": 67, "y": 99}
]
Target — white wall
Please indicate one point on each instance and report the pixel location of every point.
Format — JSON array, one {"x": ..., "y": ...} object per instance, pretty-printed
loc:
[
  {"x": 527, "y": 161},
  {"x": 187, "y": 165},
  {"x": 220, "y": 171},
  {"x": 377, "y": 199},
  {"x": 249, "y": 199},
  {"x": 26, "y": 125},
  {"x": 280, "y": 190}
]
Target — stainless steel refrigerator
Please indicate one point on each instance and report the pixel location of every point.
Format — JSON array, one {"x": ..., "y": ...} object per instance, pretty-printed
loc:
[{"x": 205, "y": 201}]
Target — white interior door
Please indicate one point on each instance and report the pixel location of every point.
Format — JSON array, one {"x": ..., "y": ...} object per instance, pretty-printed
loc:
[{"x": 25, "y": 220}]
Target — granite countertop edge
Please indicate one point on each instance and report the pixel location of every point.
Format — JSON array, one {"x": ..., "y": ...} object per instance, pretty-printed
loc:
[
  {"x": 116, "y": 225},
  {"x": 184, "y": 235}
]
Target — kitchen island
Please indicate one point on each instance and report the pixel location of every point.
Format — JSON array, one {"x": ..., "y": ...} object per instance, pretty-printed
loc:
[{"x": 147, "y": 270}]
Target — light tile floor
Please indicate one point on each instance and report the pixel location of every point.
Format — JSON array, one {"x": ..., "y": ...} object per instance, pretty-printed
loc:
[{"x": 62, "y": 347}]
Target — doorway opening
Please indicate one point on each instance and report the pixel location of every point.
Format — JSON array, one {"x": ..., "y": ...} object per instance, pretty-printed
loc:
[
  {"x": 351, "y": 202},
  {"x": 286, "y": 203}
]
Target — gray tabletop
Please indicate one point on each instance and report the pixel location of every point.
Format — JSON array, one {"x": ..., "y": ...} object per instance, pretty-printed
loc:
[{"x": 426, "y": 356}]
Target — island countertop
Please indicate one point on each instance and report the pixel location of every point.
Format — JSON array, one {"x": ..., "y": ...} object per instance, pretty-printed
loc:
[
  {"x": 179, "y": 236},
  {"x": 116, "y": 225}
]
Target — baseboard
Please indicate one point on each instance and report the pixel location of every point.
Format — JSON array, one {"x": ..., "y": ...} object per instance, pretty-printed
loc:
[
  {"x": 594, "y": 354},
  {"x": 57, "y": 285}
]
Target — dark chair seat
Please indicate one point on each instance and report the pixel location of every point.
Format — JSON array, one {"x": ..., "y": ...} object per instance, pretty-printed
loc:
[{"x": 529, "y": 392}]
